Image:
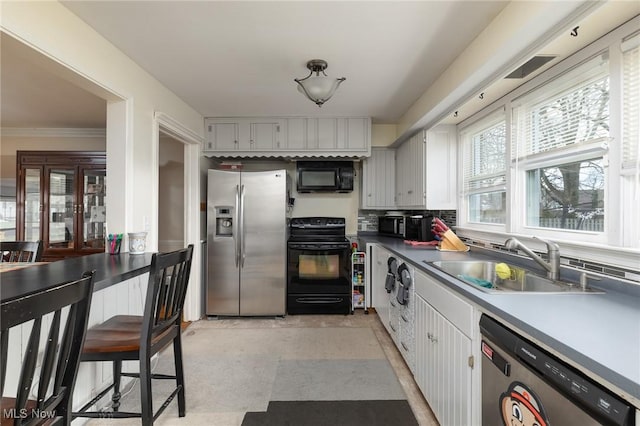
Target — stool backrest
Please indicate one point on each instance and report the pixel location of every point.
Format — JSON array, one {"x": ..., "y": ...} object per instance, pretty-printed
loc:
[
  {"x": 59, "y": 342},
  {"x": 20, "y": 251},
  {"x": 166, "y": 291}
]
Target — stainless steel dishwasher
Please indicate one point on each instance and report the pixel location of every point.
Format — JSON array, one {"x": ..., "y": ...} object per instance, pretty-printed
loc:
[{"x": 524, "y": 385}]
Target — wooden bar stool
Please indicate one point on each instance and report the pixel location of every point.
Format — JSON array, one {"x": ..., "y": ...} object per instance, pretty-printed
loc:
[
  {"x": 60, "y": 349},
  {"x": 129, "y": 337},
  {"x": 20, "y": 251}
]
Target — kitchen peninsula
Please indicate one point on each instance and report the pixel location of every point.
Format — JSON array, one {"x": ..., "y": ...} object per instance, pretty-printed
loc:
[
  {"x": 109, "y": 270},
  {"x": 120, "y": 283}
]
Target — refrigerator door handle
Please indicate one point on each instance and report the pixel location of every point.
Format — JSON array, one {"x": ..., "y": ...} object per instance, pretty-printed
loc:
[
  {"x": 242, "y": 243},
  {"x": 236, "y": 237}
]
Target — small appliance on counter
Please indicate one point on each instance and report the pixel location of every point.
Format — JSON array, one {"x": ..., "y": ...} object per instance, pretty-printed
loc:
[
  {"x": 392, "y": 224},
  {"x": 418, "y": 228}
]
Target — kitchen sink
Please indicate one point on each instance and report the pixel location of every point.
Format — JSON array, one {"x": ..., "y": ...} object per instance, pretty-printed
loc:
[{"x": 483, "y": 276}]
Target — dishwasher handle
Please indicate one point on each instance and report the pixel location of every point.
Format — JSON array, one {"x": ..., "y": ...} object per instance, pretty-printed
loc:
[{"x": 496, "y": 359}]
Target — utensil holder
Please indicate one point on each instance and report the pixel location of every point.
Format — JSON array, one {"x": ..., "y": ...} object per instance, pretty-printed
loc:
[{"x": 113, "y": 243}]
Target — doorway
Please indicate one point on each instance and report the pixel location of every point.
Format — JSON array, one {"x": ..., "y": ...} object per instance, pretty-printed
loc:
[{"x": 171, "y": 195}]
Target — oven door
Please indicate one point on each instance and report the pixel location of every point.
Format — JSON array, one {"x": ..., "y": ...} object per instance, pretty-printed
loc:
[{"x": 318, "y": 268}]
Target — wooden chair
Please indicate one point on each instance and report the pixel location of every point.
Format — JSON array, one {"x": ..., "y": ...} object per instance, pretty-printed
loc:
[
  {"x": 128, "y": 337},
  {"x": 61, "y": 352},
  {"x": 20, "y": 251}
]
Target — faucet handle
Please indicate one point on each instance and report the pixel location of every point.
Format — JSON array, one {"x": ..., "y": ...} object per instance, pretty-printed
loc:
[{"x": 551, "y": 246}]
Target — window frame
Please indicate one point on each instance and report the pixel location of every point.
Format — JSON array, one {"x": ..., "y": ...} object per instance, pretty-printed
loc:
[{"x": 620, "y": 242}]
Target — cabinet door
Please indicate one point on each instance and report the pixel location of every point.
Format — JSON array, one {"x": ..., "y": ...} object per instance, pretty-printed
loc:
[
  {"x": 358, "y": 130},
  {"x": 327, "y": 133},
  {"x": 265, "y": 136},
  {"x": 410, "y": 177},
  {"x": 441, "y": 149},
  {"x": 403, "y": 164},
  {"x": 297, "y": 134},
  {"x": 451, "y": 375},
  {"x": 378, "y": 179},
  {"x": 379, "y": 296},
  {"x": 61, "y": 209},
  {"x": 92, "y": 211},
  {"x": 29, "y": 226},
  {"x": 262, "y": 134},
  {"x": 222, "y": 135},
  {"x": 442, "y": 369}
]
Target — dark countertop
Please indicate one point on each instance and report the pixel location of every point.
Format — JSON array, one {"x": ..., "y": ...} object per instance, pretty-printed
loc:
[
  {"x": 109, "y": 270},
  {"x": 597, "y": 333}
]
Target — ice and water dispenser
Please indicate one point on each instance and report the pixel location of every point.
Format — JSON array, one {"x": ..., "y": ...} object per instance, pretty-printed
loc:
[{"x": 224, "y": 221}]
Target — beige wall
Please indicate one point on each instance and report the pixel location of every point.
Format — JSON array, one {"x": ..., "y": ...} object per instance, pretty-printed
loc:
[{"x": 383, "y": 134}]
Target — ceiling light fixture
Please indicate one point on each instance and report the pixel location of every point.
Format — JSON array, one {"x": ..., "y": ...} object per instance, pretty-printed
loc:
[{"x": 318, "y": 89}]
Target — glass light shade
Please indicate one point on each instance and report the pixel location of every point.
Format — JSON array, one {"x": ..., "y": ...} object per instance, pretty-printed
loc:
[{"x": 319, "y": 88}]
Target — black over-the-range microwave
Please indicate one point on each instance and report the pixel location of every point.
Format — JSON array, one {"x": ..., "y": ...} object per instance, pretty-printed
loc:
[{"x": 324, "y": 176}]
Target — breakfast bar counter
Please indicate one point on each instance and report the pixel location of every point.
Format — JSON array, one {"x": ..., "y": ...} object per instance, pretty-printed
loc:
[{"x": 109, "y": 270}]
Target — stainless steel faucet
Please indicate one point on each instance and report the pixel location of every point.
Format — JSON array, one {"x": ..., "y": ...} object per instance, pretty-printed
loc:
[{"x": 553, "y": 252}]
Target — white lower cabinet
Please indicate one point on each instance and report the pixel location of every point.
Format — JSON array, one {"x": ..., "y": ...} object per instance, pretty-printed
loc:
[
  {"x": 444, "y": 359},
  {"x": 436, "y": 332}
]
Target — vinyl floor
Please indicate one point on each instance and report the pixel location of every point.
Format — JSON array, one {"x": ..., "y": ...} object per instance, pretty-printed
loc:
[{"x": 299, "y": 365}]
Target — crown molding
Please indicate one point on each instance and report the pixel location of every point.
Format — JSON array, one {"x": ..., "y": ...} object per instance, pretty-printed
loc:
[{"x": 52, "y": 132}]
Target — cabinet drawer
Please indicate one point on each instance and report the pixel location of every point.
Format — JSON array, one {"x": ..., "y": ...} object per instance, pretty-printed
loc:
[{"x": 453, "y": 308}]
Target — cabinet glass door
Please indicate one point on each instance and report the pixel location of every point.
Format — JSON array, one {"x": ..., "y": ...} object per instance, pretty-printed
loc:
[
  {"x": 62, "y": 208},
  {"x": 94, "y": 210},
  {"x": 32, "y": 204}
]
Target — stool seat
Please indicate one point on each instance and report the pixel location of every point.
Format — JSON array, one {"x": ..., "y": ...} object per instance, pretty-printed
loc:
[{"x": 121, "y": 333}]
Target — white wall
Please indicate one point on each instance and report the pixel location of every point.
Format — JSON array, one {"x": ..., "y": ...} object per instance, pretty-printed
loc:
[{"x": 134, "y": 98}]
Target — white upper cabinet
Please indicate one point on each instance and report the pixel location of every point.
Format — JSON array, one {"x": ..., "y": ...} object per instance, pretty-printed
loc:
[
  {"x": 441, "y": 158},
  {"x": 426, "y": 170},
  {"x": 244, "y": 134},
  {"x": 379, "y": 179},
  {"x": 290, "y": 136}
]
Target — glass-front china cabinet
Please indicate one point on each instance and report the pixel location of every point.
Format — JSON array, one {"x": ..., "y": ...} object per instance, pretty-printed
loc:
[{"x": 61, "y": 201}]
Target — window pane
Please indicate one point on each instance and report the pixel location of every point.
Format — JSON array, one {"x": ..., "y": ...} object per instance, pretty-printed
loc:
[
  {"x": 488, "y": 148},
  {"x": 567, "y": 196},
  {"x": 488, "y": 207}
]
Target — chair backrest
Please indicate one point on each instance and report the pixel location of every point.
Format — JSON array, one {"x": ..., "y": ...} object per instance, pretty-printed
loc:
[
  {"x": 166, "y": 291},
  {"x": 20, "y": 251},
  {"x": 60, "y": 349}
]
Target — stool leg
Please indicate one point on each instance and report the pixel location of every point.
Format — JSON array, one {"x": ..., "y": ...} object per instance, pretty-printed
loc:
[
  {"x": 115, "y": 398},
  {"x": 145, "y": 390},
  {"x": 177, "y": 357}
]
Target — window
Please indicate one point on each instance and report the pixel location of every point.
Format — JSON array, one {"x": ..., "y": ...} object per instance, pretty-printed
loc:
[
  {"x": 566, "y": 166},
  {"x": 485, "y": 170},
  {"x": 561, "y": 122}
]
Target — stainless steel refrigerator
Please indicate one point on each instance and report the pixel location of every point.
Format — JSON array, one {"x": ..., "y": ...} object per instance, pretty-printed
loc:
[{"x": 246, "y": 243}]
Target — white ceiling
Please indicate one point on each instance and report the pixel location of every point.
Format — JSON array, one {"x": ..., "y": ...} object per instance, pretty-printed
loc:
[{"x": 239, "y": 58}]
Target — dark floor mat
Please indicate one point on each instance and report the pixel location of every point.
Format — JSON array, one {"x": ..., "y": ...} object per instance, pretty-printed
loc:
[{"x": 333, "y": 413}]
